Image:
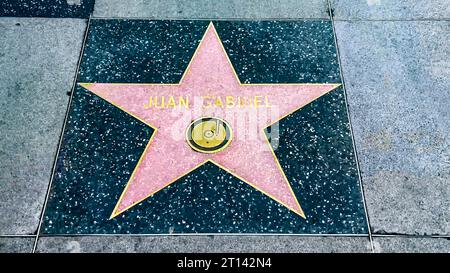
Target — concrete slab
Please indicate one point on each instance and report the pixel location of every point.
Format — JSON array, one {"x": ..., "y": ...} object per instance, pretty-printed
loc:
[
  {"x": 201, "y": 244},
  {"x": 411, "y": 244},
  {"x": 397, "y": 76},
  {"x": 205, "y": 9},
  {"x": 38, "y": 59},
  {"x": 390, "y": 10},
  {"x": 16, "y": 244},
  {"x": 47, "y": 8}
]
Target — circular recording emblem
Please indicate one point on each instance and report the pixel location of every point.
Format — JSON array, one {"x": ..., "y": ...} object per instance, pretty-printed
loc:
[{"x": 208, "y": 135}]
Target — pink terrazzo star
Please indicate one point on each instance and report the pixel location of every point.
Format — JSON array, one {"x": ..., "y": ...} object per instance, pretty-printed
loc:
[{"x": 168, "y": 157}]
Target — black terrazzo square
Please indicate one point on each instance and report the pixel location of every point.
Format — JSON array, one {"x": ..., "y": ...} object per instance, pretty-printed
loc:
[
  {"x": 47, "y": 8},
  {"x": 102, "y": 144}
]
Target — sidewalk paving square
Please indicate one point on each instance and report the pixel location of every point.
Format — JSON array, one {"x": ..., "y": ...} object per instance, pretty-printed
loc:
[
  {"x": 397, "y": 80},
  {"x": 206, "y": 9},
  {"x": 47, "y": 8},
  {"x": 390, "y": 10},
  {"x": 400, "y": 244},
  {"x": 95, "y": 189},
  {"x": 38, "y": 60},
  {"x": 201, "y": 244},
  {"x": 16, "y": 244}
]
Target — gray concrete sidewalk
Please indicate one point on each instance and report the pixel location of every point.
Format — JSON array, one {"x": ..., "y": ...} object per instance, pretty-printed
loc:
[{"x": 396, "y": 69}]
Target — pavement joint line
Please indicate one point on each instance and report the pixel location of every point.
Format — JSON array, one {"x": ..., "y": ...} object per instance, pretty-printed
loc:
[
  {"x": 242, "y": 19},
  {"x": 394, "y": 20},
  {"x": 412, "y": 236},
  {"x": 158, "y": 18},
  {"x": 351, "y": 129},
  {"x": 208, "y": 234},
  {"x": 17, "y": 236},
  {"x": 226, "y": 234},
  {"x": 61, "y": 136}
]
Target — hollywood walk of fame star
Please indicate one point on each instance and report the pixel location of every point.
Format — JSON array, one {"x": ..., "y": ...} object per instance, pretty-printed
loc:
[{"x": 210, "y": 74}]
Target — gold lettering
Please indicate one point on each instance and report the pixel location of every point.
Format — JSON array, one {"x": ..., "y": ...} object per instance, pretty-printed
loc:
[
  {"x": 171, "y": 102},
  {"x": 162, "y": 99},
  {"x": 267, "y": 104},
  {"x": 208, "y": 101},
  {"x": 218, "y": 102},
  {"x": 149, "y": 104},
  {"x": 229, "y": 101},
  {"x": 240, "y": 102},
  {"x": 167, "y": 102},
  {"x": 257, "y": 101},
  {"x": 183, "y": 102}
]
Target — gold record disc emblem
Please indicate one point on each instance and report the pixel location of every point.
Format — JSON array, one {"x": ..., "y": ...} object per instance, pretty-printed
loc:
[{"x": 208, "y": 135}]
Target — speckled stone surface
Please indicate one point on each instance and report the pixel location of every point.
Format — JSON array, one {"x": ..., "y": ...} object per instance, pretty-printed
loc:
[
  {"x": 411, "y": 245},
  {"x": 205, "y": 9},
  {"x": 102, "y": 144},
  {"x": 390, "y": 10},
  {"x": 204, "y": 244},
  {"x": 397, "y": 76},
  {"x": 38, "y": 60},
  {"x": 47, "y": 8},
  {"x": 16, "y": 244}
]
